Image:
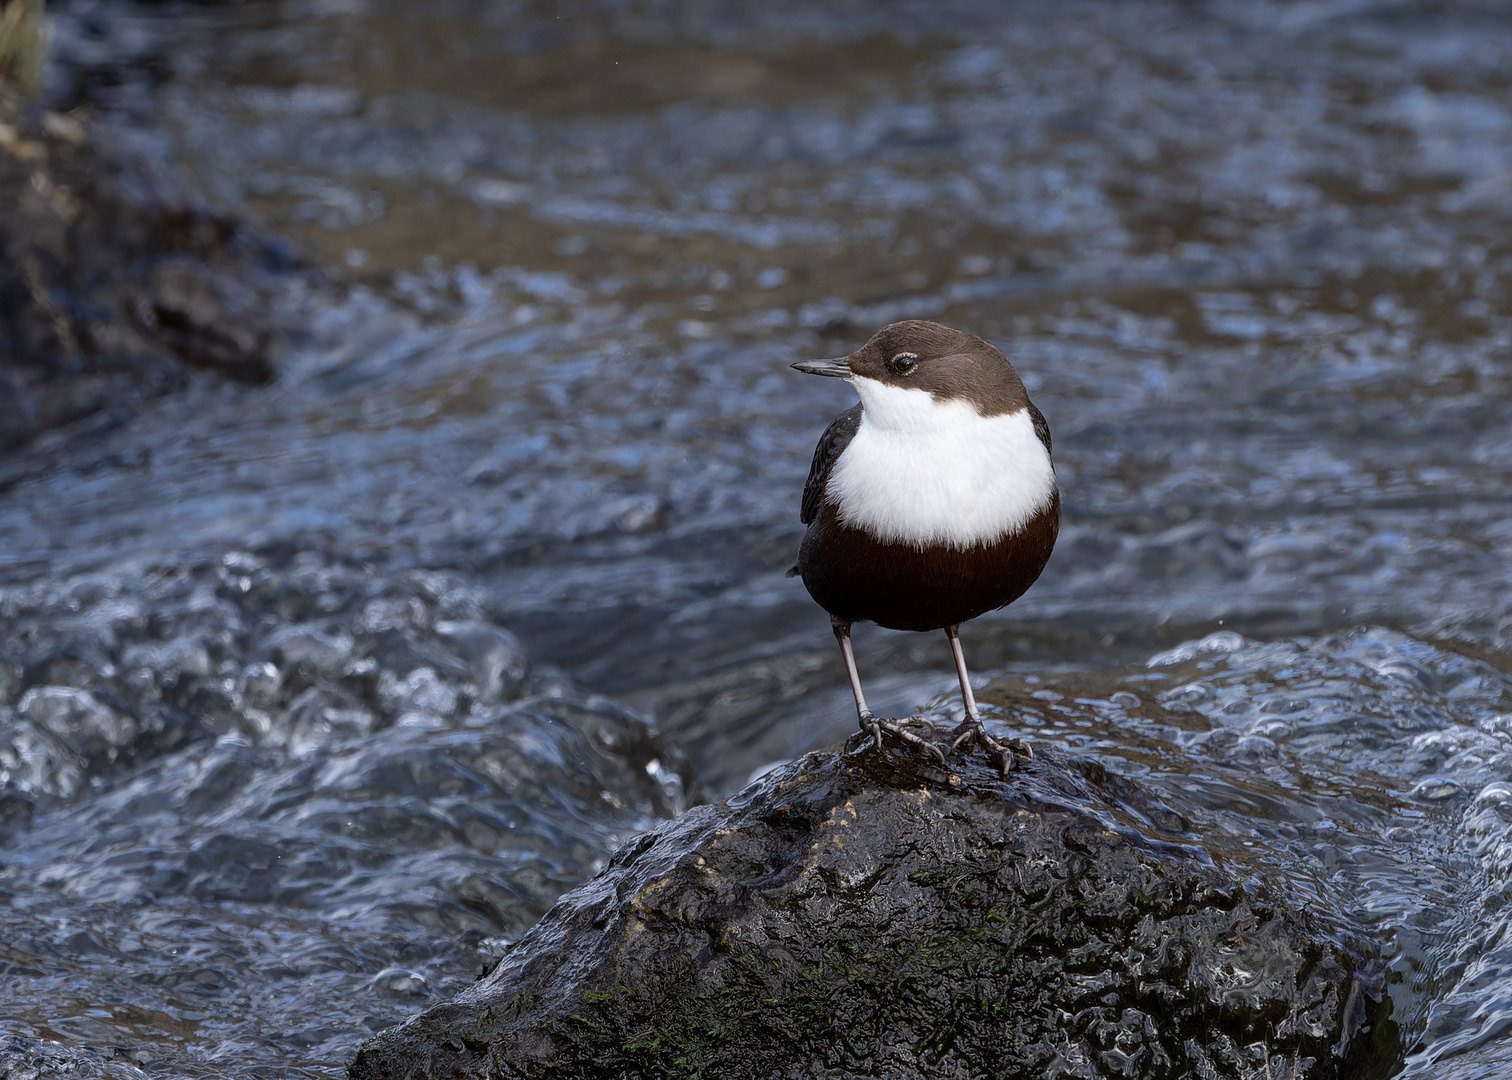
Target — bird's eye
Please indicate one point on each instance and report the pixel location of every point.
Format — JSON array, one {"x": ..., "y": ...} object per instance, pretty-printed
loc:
[{"x": 904, "y": 362}]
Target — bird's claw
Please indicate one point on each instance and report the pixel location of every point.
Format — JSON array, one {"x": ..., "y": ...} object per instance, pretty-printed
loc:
[
  {"x": 877, "y": 728},
  {"x": 1003, "y": 753}
]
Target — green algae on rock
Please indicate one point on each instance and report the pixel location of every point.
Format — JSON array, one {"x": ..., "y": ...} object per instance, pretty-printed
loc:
[{"x": 865, "y": 915}]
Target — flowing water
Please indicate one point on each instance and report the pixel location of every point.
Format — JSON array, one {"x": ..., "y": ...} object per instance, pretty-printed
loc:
[{"x": 319, "y": 693}]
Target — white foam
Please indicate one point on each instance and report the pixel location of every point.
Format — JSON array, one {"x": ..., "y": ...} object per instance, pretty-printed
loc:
[{"x": 924, "y": 471}]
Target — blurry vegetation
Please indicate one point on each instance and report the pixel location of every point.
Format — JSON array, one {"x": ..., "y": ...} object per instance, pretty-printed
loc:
[{"x": 23, "y": 43}]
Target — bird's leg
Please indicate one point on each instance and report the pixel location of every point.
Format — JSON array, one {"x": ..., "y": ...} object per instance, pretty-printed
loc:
[
  {"x": 971, "y": 732},
  {"x": 870, "y": 724}
]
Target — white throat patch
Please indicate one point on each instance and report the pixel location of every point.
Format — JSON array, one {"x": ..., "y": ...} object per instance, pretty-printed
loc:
[{"x": 922, "y": 471}]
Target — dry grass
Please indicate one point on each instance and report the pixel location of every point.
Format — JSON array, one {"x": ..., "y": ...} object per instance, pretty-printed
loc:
[{"x": 23, "y": 43}]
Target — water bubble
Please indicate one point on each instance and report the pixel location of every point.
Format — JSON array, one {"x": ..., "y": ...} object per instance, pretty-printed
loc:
[
  {"x": 1436, "y": 789},
  {"x": 1224, "y": 641},
  {"x": 260, "y": 683},
  {"x": 1188, "y": 697},
  {"x": 403, "y": 982}
]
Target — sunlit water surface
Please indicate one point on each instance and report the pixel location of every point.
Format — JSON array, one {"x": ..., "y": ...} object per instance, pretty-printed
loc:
[{"x": 305, "y": 680}]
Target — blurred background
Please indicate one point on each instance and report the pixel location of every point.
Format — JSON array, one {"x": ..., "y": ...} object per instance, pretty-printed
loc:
[{"x": 393, "y": 367}]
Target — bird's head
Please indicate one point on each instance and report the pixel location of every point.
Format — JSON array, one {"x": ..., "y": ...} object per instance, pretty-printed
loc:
[{"x": 947, "y": 364}]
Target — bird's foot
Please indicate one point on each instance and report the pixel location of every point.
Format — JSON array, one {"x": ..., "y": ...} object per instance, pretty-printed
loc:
[
  {"x": 877, "y": 727},
  {"x": 1004, "y": 753}
]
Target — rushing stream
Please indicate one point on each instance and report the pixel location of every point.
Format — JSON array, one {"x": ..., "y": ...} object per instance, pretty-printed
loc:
[{"x": 317, "y": 694}]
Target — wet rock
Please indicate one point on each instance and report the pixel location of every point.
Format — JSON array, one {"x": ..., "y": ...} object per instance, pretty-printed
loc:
[
  {"x": 113, "y": 285},
  {"x": 197, "y": 320},
  {"x": 868, "y": 916}
]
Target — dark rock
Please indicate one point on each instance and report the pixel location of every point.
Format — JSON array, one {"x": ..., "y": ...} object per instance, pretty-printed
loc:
[
  {"x": 191, "y": 315},
  {"x": 114, "y": 286},
  {"x": 867, "y": 916}
]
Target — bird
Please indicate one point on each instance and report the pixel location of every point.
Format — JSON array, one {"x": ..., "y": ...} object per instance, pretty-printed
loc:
[{"x": 931, "y": 501}]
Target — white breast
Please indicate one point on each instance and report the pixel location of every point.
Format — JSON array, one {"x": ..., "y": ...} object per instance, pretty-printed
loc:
[{"x": 923, "y": 471}]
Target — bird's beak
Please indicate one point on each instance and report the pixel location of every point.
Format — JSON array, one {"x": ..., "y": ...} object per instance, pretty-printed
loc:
[{"x": 835, "y": 369}]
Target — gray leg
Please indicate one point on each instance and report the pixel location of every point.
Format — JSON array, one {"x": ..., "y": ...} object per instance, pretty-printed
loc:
[
  {"x": 842, "y": 635},
  {"x": 971, "y": 731},
  {"x": 869, "y": 723}
]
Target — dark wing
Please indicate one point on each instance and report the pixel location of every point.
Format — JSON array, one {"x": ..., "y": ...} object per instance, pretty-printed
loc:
[
  {"x": 832, "y": 443},
  {"x": 1041, "y": 428}
]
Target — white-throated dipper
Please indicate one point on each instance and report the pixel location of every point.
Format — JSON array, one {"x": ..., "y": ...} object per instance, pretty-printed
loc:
[{"x": 930, "y": 502}]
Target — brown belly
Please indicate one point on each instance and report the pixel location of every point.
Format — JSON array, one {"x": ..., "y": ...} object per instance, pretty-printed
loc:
[{"x": 857, "y": 577}]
